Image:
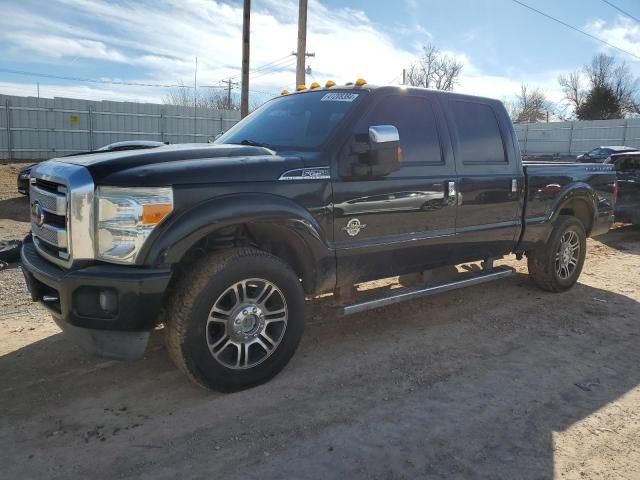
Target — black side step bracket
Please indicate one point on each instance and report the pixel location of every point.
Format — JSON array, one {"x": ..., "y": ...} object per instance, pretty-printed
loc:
[{"x": 409, "y": 293}]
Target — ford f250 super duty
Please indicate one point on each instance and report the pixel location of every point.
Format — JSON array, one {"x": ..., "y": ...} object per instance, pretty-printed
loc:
[{"x": 313, "y": 192}]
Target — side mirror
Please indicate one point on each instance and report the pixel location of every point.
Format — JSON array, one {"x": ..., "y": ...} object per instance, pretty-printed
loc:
[{"x": 380, "y": 155}]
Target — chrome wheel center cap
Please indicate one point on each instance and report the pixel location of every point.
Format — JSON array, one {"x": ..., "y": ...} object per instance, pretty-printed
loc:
[{"x": 248, "y": 323}]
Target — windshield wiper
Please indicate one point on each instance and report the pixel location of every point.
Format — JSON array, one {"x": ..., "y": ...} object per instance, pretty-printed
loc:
[{"x": 253, "y": 143}]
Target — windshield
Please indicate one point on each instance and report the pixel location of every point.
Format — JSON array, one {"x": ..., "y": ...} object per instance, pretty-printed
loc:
[{"x": 294, "y": 121}]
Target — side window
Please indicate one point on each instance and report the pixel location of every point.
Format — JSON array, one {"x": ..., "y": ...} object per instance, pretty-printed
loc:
[
  {"x": 479, "y": 135},
  {"x": 415, "y": 120},
  {"x": 629, "y": 164}
]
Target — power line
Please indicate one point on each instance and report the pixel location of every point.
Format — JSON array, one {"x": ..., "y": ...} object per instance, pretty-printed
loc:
[
  {"x": 266, "y": 65},
  {"x": 522, "y": 4},
  {"x": 622, "y": 11},
  {"x": 89, "y": 80},
  {"x": 280, "y": 68}
]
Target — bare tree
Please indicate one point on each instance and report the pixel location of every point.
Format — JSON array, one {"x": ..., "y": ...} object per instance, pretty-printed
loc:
[
  {"x": 180, "y": 95},
  {"x": 530, "y": 105},
  {"x": 434, "y": 69},
  {"x": 625, "y": 86},
  {"x": 605, "y": 73},
  {"x": 219, "y": 99},
  {"x": 600, "y": 70},
  {"x": 573, "y": 89},
  {"x": 216, "y": 98}
]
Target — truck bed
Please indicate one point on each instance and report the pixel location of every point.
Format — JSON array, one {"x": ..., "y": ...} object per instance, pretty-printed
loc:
[{"x": 588, "y": 186}]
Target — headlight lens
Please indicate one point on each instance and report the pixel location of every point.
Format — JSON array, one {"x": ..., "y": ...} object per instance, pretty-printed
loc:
[{"x": 125, "y": 218}]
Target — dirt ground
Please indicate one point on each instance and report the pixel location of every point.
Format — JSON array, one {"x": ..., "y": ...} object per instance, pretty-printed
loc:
[{"x": 495, "y": 381}]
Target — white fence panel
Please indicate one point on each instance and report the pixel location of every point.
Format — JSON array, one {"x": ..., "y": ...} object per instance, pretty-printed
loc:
[
  {"x": 40, "y": 128},
  {"x": 573, "y": 138}
]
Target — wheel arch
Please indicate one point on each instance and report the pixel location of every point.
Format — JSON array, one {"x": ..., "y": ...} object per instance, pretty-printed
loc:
[
  {"x": 268, "y": 222},
  {"x": 578, "y": 201}
]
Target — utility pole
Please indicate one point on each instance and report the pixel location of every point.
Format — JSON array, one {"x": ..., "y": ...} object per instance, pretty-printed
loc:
[
  {"x": 244, "y": 94},
  {"x": 195, "y": 101},
  {"x": 302, "y": 42},
  {"x": 404, "y": 76},
  {"x": 230, "y": 84}
]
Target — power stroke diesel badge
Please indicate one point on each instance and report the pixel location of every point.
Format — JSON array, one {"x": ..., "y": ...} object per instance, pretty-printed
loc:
[{"x": 353, "y": 227}]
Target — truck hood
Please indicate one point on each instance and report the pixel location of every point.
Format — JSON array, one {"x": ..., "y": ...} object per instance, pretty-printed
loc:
[{"x": 186, "y": 164}]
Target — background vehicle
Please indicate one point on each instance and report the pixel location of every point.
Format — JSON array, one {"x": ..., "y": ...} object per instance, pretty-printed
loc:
[
  {"x": 598, "y": 155},
  {"x": 23, "y": 175},
  {"x": 627, "y": 167},
  {"x": 313, "y": 192},
  {"x": 23, "y": 179}
]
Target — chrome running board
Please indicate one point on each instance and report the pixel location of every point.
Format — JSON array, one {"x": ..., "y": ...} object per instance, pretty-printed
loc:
[{"x": 409, "y": 293}]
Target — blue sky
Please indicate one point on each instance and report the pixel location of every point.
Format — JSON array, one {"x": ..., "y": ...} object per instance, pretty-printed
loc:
[{"x": 500, "y": 43}]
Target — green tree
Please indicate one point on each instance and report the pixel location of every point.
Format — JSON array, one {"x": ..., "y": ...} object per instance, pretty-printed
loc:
[{"x": 601, "y": 103}]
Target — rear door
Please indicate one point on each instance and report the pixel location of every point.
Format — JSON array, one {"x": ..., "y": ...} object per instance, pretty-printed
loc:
[
  {"x": 490, "y": 179},
  {"x": 404, "y": 221}
]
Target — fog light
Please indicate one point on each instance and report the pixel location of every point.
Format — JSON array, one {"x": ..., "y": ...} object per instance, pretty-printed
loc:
[{"x": 108, "y": 300}]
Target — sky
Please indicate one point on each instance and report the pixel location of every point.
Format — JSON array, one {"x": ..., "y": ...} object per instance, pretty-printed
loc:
[{"x": 156, "y": 42}]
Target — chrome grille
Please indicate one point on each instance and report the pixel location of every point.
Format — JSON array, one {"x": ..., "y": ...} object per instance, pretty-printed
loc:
[
  {"x": 52, "y": 202},
  {"x": 55, "y": 236},
  {"x": 61, "y": 196},
  {"x": 48, "y": 216}
]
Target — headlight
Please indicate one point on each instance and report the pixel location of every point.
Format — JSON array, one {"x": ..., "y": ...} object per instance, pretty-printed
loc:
[{"x": 125, "y": 218}]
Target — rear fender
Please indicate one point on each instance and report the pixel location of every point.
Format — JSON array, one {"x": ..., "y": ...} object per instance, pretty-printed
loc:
[{"x": 537, "y": 233}]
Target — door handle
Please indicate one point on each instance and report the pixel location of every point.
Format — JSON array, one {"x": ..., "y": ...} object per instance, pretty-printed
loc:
[{"x": 451, "y": 193}]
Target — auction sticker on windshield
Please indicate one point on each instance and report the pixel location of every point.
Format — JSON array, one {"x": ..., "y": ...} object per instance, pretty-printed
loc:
[{"x": 339, "y": 97}]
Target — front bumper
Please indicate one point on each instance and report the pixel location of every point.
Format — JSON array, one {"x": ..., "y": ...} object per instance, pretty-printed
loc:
[{"x": 107, "y": 309}]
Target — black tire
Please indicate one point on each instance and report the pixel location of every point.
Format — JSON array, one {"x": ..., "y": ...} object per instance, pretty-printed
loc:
[
  {"x": 189, "y": 330},
  {"x": 542, "y": 264}
]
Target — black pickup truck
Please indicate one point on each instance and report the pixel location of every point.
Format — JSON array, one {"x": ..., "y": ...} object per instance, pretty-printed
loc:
[
  {"x": 627, "y": 167},
  {"x": 313, "y": 192}
]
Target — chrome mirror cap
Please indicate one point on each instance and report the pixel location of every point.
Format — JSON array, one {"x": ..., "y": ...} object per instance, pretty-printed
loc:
[{"x": 383, "y": 134}]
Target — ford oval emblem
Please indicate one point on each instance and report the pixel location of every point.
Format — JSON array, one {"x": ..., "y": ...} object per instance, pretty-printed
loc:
[{"x": 37, "y": 213}]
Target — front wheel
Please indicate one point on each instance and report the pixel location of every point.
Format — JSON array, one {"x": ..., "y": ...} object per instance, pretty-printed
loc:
[
  {"x": 557, "y": 266},
  {"x": 236, "y": 320}
]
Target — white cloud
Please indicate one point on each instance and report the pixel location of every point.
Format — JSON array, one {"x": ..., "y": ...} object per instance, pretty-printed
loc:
[
  {"x": 623, "y": 33},
  {"x": 162, "y": 39}
]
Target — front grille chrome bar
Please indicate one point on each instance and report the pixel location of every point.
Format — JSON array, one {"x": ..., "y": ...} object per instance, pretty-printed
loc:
[
  {"x": 51, "y": 234},
  {"x": 55, "y": 203}
]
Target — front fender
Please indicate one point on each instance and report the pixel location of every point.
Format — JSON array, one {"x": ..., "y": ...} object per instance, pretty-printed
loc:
[{"x": 168, "y": 244}]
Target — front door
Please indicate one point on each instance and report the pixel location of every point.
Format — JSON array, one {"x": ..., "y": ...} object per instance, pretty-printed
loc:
[{"x": 402, "y": 222}]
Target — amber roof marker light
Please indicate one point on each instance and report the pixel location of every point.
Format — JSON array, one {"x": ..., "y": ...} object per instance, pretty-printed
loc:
[
  {"x": 284, "y": 92},
  {"x": 314, "y": 85},
  {"x": 360, "y": 82},
  {"x": 329, "y": 84},
  {"x": 299, "y": 88}
]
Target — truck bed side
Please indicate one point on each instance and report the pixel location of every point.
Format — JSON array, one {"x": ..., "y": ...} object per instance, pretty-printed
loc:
[{"x": 552, "y": 189}]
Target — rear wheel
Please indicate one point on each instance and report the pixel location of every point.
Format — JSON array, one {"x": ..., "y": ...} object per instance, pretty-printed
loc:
[
  {"x": 236, "y": 320},
  {"x": 557, "y": 266}
]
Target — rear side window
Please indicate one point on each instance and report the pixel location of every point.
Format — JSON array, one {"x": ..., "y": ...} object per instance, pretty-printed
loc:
[
  {"x": 478, "y": 133},
  {"x": 415, "y": 120},
  {"x": 631, "y": 164}
]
